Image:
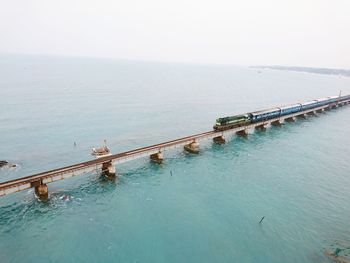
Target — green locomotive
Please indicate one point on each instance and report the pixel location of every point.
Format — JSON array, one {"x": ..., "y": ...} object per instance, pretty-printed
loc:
[{"x": 231, "y": 122}]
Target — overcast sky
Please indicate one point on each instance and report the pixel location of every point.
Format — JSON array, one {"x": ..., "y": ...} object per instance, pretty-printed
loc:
[{"x": 247, "y": 32}]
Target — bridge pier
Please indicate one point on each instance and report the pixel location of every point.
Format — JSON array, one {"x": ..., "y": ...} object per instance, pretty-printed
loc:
[
  {"x": 192, "y": 147},
  {"x": 276, "y": 123},
  {"x": 108, "y": 169},
  {"x": 219, "y": 140},
  {"x": 42, "y": 191},
  {"x": 157, "y": 157},
  {"x": 319, "y": 110},
  {"x": 290, "y": 119},
  {"x": 242, "y": 133},
  {"x": 303, "y": 116},
  {"x": 312, "y": 113},
  {"x": 261, "y": 127}
]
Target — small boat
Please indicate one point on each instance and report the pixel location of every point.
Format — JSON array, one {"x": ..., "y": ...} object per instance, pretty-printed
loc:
[{"x": 100, "y": 152}]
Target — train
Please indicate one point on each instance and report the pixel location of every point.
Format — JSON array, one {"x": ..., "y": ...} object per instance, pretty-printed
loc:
[{"x": 235, "y": 121}]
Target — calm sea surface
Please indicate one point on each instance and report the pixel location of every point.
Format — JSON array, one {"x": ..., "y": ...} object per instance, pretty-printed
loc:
[{"x": 297, "y": 176}]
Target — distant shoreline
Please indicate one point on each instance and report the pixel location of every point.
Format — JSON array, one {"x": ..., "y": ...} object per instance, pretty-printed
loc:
[{"x": 324, "y": 71}]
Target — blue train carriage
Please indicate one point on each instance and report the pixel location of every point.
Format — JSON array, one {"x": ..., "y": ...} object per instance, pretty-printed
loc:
[
  {"x": 290, "y": 109},
  {"x": 309, "y": 105},
  {"x": 346, "y": 97},
  {"x": 322, "y": 102},
  {"x": 332, "y": 101},
  {"x": 231, "y": 122},
  {"x": 265, "y": 114},
  {"x": 333, "y": 98}
]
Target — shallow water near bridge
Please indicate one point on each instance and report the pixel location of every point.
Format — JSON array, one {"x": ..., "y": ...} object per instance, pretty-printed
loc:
[{"x": 203, "y": 208}]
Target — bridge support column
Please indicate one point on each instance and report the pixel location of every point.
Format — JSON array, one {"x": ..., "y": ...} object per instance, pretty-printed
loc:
[
  {"x": 219, "y": 139},
  {"x": 108, "y": 169},
  {"x": 276, "y": 123},
  {"x": 261, "y": 127},
  {"x": 157, "y": 157},
  {"x": 242, "y": 133},
  {"x": 290, "y": 119},
  {"x": 303, "y": 116},
  {"x": 312, "y": 112},
  {"x": 42, "y": 191},
  {"x": 193, "y": 147},
  {"x": 320, "y": 110}
]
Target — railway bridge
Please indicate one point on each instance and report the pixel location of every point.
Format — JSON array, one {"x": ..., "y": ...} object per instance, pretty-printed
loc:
[{"x": 155, "y": 152}]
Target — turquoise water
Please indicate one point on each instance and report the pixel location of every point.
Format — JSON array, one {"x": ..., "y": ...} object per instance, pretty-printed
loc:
[{"x": 297, "y": 176}]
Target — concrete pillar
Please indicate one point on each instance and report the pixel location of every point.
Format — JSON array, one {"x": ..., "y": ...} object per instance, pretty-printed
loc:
[
  {"x": 193, "y": 147},
  {"x": 303, "y": 116},
  {"x": 219, "y": 139},
  {"x": 276, "y": 123},
  {"x": 261, "y": 127},
  {"x": 108, "y": 169},
  {"x": 243, "y": 133},
  {"x": 157, "y": 157},
  {"x": 42, "y": 191},
  {"x": 290, "y": 119}
]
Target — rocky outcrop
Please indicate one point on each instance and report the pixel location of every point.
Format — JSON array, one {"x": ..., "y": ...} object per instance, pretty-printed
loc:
[{"x": 3, "y": 163}]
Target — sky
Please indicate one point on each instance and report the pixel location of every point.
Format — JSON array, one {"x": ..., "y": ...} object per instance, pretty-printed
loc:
[{"x": 248, "y": 32}]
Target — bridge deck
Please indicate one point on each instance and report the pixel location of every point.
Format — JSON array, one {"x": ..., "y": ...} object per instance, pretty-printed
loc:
[{"x": 23, "y": 183}]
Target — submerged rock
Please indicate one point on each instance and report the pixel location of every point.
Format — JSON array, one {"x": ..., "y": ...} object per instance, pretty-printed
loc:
[
  {"x": 3, "y": 163},
  {"x": 334, "y": 255},
  {"x": 339, "y": 252}
]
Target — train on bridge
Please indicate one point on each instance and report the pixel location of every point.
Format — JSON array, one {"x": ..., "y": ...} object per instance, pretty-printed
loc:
[
  {"x": 231, "y": 122},
  {"x": 106, "y": 163}
]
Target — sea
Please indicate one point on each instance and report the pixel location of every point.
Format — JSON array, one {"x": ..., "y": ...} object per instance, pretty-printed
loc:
[{"x": 191, "y": 208}]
